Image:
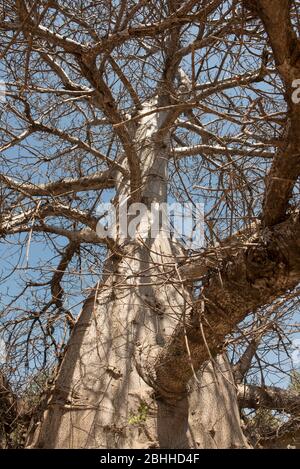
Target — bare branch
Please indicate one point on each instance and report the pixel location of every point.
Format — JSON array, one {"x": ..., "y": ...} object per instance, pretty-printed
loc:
[
  {"x": 241, "y": 286},
  {"x": 96, "y": 181},
  {"x": 268, "y": 397}
]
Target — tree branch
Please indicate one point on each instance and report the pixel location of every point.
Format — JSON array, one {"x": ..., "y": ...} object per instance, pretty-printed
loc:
[
  {"x": 97, "y": 181},
  {"x": 268, "y": 397},
  {"x": 243, "y": 365},
  {"x": 275, "y": 16},
  {"x": 219, "y": 150},
  {"x": 254, "y": 277}
]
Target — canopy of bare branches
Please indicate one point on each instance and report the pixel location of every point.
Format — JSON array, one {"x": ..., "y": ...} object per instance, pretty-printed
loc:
[{"x": 156, "y": 101}]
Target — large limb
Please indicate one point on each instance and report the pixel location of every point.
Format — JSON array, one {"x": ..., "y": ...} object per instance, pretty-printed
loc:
[
  {"x": 285, "y": 170},
  {"x": 259, "y": 273},
  {"x": 255, "y": 276},
  {"x": 268, "y": 397},
  {"x": 33, "y": 220},
  {"x": 96, "y": 181}
]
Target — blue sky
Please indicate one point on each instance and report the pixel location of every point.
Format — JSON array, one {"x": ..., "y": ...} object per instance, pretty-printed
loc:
[{"x": 28, "y": 253}]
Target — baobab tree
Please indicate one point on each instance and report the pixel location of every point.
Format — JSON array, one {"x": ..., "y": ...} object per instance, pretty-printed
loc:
[{"x": 151, "y": 102}]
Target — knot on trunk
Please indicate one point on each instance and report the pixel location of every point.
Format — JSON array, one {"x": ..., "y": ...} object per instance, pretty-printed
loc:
[{"x": 266, "y": 261}]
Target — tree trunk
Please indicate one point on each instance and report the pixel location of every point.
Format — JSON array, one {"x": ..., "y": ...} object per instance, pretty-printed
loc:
[{"x": 103, "y": 396}]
